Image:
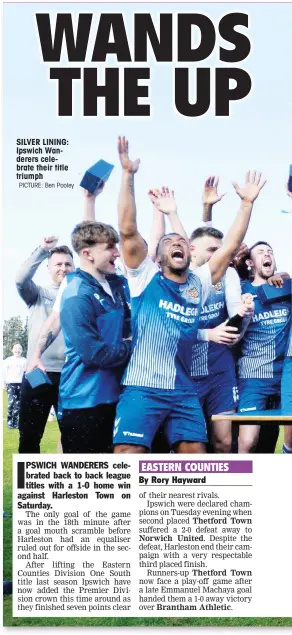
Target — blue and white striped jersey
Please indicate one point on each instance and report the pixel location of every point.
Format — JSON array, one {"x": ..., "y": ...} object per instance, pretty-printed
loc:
[
  {"x": 289, "y": 351},
  {"x": 222, "y": 302},
  {"x": 289, "y": 348},
  {"x": 165, "y": 318},
  {"x": 265, "y": 341}
]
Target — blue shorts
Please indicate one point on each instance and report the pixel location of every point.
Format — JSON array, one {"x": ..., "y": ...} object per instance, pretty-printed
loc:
[
  {"x": 141, "y": 411},
  {"x": 255, "y": 394},
  {"x": 286, "y": 387},
  {"x": 217, "y": 393}
]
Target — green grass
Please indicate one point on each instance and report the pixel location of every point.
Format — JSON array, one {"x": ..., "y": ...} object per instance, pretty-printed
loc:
[{"x": 49, "y": 445}]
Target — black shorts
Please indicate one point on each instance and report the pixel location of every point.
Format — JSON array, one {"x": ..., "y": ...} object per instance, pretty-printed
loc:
[{"x": 88, "y": 430}]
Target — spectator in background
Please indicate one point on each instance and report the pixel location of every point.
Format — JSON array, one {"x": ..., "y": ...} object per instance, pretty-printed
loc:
[
  {"x": 34, "y": 409},
  {"x": 13, "y": 371}
]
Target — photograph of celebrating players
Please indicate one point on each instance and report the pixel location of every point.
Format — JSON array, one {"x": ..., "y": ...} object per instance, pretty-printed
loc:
[{"x": 141, "y": 345}]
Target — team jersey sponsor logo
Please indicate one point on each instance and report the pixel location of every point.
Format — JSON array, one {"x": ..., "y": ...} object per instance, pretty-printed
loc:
[
  {"x": 209, "y": 308},
  {"x": 270, "y": 315},
  {"x": 177, "y": 308}
]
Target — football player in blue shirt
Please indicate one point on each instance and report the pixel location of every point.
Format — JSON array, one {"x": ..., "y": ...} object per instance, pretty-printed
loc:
[
  {"x": 213, "y": 366},
  {"x": 286, "y": 395},
  {"x": 263, "y": 346},
  {"x": 166, "y": 304},
  {"x": 94, "y": 319},
  {"x": 286, "y": 388}
]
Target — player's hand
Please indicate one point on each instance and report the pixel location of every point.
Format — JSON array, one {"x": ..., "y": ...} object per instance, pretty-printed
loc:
[
  {"x": 93, "y": 196},
  {"x": 252, "y": 187},
  {"x": 276, "y": 281},
  {"x": 210, "y": 191},
  {"x": 128, "y": 166},
  {"x": 35, "y": 362},
  {"x": 163, "y": 200},
  {"x": 246, "y": 308},
  {"x": 242, "y": 253},
  {"x": 154, "y": 195},
  {"x": 49, "y": 242},
  {"x": 223, "y": 334},
  {"x": 287, "y": 189}
]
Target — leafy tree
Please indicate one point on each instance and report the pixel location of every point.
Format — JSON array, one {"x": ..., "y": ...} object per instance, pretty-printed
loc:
[{"x": 14, "y": 332}]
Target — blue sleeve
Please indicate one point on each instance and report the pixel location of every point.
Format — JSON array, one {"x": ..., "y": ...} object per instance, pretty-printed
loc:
[{"x": 80, "y": 328}]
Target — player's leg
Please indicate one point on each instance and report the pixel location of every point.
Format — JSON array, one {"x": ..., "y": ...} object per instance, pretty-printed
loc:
[
  {"x": 201, "y": 387},
  {"x": 88, "y": 430},
  {"x": 191, "y": 447},
  {"x": 129, "y": 449},
  {"x": 253, "y": 395},
  {"x": 160, "y": 444},
  {"x": 222, "y": 434},
  {"x": 16, "y": 406},
  {"x": 269, "y": 434},
  {"x": 222, "y": 398},
  {"x": 33, "y": 414},
  {"x": 140, "y": 413},
  {"x": 185, "y": 427},
  {"x": 287, "y": 445},
  {"x": 10, "y": 404}
]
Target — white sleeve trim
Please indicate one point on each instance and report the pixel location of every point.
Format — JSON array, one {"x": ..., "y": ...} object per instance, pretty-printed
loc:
[
  {"x": 204, "y": 274},
  {"x": 203, "y": 335},
  {"x": 232, "y": 291},
  {"x": 57, "y": 304},
  {"x": 138, "y": 279}
]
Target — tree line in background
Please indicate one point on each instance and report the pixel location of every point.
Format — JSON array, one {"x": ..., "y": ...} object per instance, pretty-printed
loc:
[{"x": 15, "y": 331}]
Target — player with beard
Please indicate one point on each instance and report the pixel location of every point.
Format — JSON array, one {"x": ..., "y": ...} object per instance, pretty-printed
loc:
[
  {"x": 166, "y": 304},
  {"x": 263, "y": 347},
  {"x": 213, "y": 366}
]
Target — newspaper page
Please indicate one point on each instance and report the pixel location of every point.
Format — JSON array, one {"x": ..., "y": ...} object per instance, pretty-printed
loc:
[{"x": 147, "y": 314}]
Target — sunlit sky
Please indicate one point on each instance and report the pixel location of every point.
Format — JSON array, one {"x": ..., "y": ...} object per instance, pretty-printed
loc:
[{"x": 175, "y": 151}]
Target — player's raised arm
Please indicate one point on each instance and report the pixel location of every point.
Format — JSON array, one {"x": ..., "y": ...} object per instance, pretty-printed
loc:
[
  {"x": 158, "y": 225},
  {"x": 210, "y": 197},
  {"x": 134, "y": 248},
  {"x": 89, "y": 203},
  {"x": 26, "y": 288},
  {"x": 234, "y": 237},
  {"x": 166, "y": 204}
]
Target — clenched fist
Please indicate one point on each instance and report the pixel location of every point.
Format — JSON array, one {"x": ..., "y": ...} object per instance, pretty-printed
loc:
[{"x": 49, "y": 242}]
